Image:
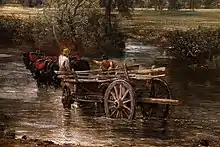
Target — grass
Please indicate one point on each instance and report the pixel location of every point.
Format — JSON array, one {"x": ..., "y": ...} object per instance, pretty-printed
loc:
[{"x": 147, "y": 25}]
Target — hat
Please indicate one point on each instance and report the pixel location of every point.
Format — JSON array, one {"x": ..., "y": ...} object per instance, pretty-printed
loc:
[{"x": 66, "y": 51}]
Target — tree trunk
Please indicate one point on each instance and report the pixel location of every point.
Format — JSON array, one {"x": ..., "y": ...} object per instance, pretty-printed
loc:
[
  {"x": 108, "y": 16},
  {"x": 192, "y": 5}
]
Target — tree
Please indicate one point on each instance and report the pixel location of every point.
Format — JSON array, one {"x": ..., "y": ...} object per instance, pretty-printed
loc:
[
  {"x": 173, "y": 4},
  {"x": 210, "y": 3},
  {"x": 124, "y": 8},
  {"x": 158, "y": 4},
  {"x": 77, "y": 23}
]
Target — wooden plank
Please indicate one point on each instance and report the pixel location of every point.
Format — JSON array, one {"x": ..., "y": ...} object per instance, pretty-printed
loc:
[
  {"x": 146, "y": 77},
  {"x": 150, "y": 71},
  {"x": 85, "y": 76},
  {"x": 63, "y": 72},
  {"x": 104, "y": 77},
  {"x": 90, "y": 76},
  {"x": 88, "y": 100},
  {"x": 66, "y": 76},
  {"x": 159, "y": 101},
  {"x": 89, "y": 80},
  {"x": 119, "y": 70},
  {"x": 140, "y": 71}
]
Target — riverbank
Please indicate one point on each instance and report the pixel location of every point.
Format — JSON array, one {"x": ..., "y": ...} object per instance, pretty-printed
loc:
[{"x": 30, "y": 143}]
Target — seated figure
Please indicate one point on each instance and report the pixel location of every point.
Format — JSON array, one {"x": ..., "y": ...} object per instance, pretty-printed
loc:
[{"x": 105, "y": 64}]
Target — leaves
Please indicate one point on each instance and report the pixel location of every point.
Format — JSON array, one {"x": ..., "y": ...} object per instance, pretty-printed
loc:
[{"x": 195, "y": 45}]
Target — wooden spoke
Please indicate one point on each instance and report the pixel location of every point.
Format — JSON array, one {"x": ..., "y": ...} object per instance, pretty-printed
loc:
[
  {"x": 123, "y": 105},
  {"x": 118, "y": 115},
  {"x": 126, "y": 114},
  {"x": 127, "y": 108},
  {"x": 120, "y": 92},
  {"x": 113, "y": 95},
  {"x": 113, "y": 112},
  {"x": 112, "y": 107},
  {"x": 110, "y": 101},
  {"x": 116, "y": 92},
  {"x": 124, "y": 95},
  {"x": 127, "y": 101}
]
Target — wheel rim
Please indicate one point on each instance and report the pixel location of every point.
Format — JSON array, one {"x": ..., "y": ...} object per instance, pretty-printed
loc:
[
  {"x": 159, "y": 89},
  {"x": 119, "y": 100}
]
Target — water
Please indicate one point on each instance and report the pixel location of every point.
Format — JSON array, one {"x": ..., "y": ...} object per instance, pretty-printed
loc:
[{"x": 38, "y": 113}]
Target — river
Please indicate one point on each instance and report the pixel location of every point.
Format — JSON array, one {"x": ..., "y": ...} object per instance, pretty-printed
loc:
[{"x": 38, "y": 113}]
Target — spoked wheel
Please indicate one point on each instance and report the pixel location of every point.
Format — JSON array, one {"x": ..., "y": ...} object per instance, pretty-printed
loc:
[
  {"x": 119, "y": 100},
  {"x": 67, "y": 98},
  {"x": 159, "y": 89}
]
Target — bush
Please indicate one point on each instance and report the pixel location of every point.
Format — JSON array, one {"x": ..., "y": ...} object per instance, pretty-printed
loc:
[
  {"x": 194, "y": 45},
  {"x": 8, "y": 29}
]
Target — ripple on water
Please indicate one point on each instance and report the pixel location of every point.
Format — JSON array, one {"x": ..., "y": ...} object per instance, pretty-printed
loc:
[{"x": 5, "y": 55}]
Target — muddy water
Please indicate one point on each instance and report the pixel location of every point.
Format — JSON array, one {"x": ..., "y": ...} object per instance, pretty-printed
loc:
[{"x": 38, "y": 113}]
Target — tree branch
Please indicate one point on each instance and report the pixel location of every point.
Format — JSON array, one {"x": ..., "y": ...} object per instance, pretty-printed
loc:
[{"x": 78, "y": 5}]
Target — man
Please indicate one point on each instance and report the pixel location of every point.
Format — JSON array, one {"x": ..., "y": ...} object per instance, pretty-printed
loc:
[
  {"x": 64, "y": 64},
  {"x": 105, "y": 64}
]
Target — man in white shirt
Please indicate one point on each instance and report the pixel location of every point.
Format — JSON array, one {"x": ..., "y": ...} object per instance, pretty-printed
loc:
[{"x": 64, "y": 64}]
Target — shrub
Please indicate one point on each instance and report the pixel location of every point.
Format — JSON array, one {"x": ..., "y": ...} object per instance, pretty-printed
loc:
[{"x": 194, "y": 45}]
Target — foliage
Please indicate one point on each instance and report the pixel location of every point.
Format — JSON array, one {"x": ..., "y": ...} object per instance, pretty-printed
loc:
[
  {"x": 18, "y": 31},
  {"x": 194, "y": 45},
  {"x": 77, "y": 24},
  {"x": 8, "y": 29},
  {"x": 124, "y": 6}
]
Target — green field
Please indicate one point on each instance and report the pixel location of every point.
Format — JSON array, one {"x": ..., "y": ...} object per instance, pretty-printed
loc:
[{"x": 149, "y": 24}]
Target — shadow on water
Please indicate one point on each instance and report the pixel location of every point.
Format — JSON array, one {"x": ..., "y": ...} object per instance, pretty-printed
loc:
[{"x": 38, "y": 113}]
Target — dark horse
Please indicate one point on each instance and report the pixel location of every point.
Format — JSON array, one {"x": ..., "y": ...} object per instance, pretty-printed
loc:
[
  {"x": 79, "y": 65},
  {"x": 46, "y": 75}
]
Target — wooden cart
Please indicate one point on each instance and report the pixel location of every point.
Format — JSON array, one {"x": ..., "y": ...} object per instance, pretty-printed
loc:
[{"x": 120, "y": 90}]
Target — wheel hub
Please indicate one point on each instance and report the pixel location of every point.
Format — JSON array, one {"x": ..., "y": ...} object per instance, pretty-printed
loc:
[{"x": 119, "y": 104}]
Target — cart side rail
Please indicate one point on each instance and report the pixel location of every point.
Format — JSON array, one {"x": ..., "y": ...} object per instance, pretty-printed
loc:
[{"x": 127, "y": 72}]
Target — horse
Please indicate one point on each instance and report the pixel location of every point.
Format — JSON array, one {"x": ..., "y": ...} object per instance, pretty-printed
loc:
[
  {"x": 29, "y": 60},
  {"x": 46, "y": 72},
  {"x": 41, "y": 73},
  {"x": 52, "y": 76},
  {"x": 79, "y": 65}
]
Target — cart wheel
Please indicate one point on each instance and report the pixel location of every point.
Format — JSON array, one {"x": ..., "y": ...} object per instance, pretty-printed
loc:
[
  {"x": 67, "y": 98},
  {"x": 119, "y": 100},
  {"x": 159, "y": 89}
]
